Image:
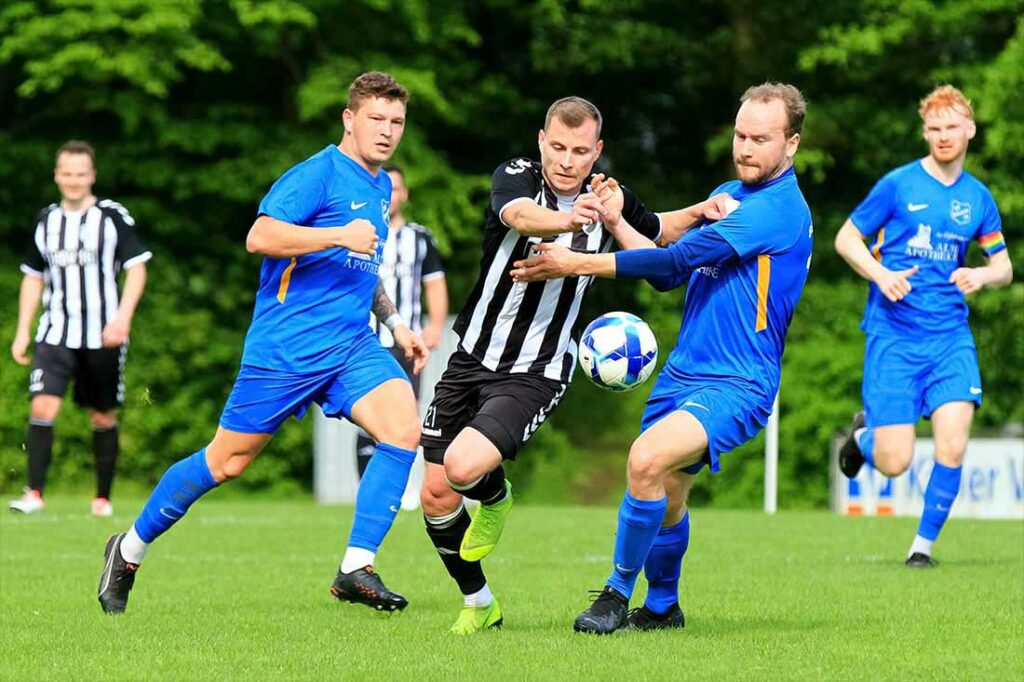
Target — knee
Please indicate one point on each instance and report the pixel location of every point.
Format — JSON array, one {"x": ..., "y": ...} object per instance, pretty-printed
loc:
[
  {"x": 437, "y": 498},
  {"x": 461, "y": 470},
  {"x": 227, "y": 466},
  {"x": 44, "y": 408},
  {"x": 892, "y": 460},
  {"x": 103, "y": 420},
  {"x": 404, "y": 433},
  {"x": 644, "y": 467},
  {"x": 950, "y": 452}
]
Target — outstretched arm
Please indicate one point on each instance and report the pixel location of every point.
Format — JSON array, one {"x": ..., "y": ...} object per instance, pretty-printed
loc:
[{"x": 278, "y": 239}]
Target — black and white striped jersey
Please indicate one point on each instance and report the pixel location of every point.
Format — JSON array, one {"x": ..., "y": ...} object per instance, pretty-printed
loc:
[
  {"x": 530, "y": 327},
  {"x": 409, "y": 259},
  {"x": 79, "y": 255}
]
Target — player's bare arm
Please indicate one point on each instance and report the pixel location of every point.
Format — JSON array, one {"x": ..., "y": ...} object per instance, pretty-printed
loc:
[
  {"x": 278, "y": 239},
  {"x": 385, "y": 310},
  {"x": 850, "y": 245},
  {"x": 28, "y": 302},
  {"x": 552, "y": 261},
  {"x": 997, "y": 272},
  {"x": 115, "y": 333},
  {"x": 610, "y": 193},
  {"x": 531, "y": 220}
]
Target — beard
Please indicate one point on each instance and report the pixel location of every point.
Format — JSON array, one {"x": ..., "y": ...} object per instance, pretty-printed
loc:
[{"x": 756, "y": 175}]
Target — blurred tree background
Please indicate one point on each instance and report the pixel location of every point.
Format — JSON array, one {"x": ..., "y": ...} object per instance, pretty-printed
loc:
[{"x": 196, "y": 106}]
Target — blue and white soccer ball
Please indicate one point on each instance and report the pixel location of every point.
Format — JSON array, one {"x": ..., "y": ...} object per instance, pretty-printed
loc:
[{"x": 618, "y": 351}]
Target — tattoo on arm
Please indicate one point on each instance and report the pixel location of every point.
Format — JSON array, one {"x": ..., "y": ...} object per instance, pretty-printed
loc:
[{"x": 382, "y": 308}]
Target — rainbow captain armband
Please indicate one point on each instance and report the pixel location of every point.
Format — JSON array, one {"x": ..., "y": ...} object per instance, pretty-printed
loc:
[{"x": 992, "y": 243}]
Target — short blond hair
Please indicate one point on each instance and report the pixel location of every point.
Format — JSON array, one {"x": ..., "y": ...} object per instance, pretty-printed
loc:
[
  {"x": 946, "y": 97},
  {"x": 574, "y": 111}
]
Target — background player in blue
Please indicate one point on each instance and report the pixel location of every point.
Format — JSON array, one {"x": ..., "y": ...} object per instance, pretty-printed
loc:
[
  {"x": 920, "y": 358},
  {"x": 746, "y": 273},
  {"x": 321, "y": 229}
]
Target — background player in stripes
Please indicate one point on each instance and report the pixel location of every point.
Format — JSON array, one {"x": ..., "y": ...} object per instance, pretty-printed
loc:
[
  {"x": 744, "y": 275},
  {"x": 76, "y": 250},
  {"x": 517, "y": 348},
  {"x": 920, "y": 358},
  {"x": 320, "y": 228},
  {"x": 411, "y": 272}
]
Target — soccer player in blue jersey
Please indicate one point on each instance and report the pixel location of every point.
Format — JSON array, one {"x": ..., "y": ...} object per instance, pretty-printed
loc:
[
  {"x": 321, "y": 228},
  {"x": 745, "y": 274},
  {"x": 920, "y": 358}
]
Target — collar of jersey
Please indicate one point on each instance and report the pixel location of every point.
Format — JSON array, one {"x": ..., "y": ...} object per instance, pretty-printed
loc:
[{"x": 940, "y": 183}]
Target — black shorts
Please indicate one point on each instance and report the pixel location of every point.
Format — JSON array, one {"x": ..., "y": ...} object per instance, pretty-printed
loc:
[
  {"x": 98, "y": 374},
  {"x": 506, "y": 408}
]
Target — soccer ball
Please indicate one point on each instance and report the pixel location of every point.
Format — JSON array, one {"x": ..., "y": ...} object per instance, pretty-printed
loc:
[{"x": 618, "y": 351}]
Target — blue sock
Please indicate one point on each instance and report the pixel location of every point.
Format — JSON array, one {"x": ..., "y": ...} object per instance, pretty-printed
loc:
[
  {"x": 182, "y": 484},
  {"x": 664, "y": 564},
  {"x": 866, "y": 443},
  {"x": 943, "y": 486},
  {"x": 639, "y": 521},
  {"x": 380, "y": 495}
]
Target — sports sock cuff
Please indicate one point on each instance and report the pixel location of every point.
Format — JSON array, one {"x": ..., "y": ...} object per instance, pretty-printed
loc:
[
  {"x": 676, "y": 530},
  {"x": 660, "y": 503},
  {"x": 400, "y": 454},
  {"x": 445, "y": 520},
  {"x": 40, "y": 422}
]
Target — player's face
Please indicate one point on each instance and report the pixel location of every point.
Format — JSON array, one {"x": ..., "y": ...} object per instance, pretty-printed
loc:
[
  {"x": 567, "y": 155},
  {"x": 760, "y": 148},
  {"x": 399, "y": 192},
  {"x": 376, "y": 128},
  {"x": 947, "y": 132},
  {"x": 75, "y": 176}
]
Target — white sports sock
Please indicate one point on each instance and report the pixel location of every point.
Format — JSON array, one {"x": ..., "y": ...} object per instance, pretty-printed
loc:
[
  {"x": 133, "y": 549},
  {"x": 922, "y": 545},
  {"x": 356, "y": 558},
  {"x": 857, "y": 434},
  {"x": 480, "y": 598}
]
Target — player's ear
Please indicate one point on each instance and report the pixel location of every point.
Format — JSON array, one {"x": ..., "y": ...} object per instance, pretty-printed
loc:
[
  {"x": 598, "y": 148},
  {"x": 346, "y": 119},
  {"x": 792, "y": 144},
  {"x": 972, "y": 129},
  {"x": 540, "y": 139}
]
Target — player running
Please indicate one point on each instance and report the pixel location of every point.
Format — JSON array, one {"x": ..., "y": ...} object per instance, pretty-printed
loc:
[
  {"x": 517, "y": 350},
  {"x": 920, "y": 358},
  {"x": 321, "y": 228},
  {"x": 746, "y": 273}
]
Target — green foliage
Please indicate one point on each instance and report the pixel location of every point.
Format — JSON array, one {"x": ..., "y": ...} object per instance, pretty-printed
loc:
[{"x": 196, "y": 106}]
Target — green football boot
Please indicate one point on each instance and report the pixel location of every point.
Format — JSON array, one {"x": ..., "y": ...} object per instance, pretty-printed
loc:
[
  {"x": 476, "y": 619},
  {"x": 484, "y": 531}
]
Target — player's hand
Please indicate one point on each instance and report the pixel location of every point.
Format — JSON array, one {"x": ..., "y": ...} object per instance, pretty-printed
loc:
[
  {"x": 115, "y": 333},
  {"x": 718, "y": 206},
  {"x": 548, "y": 261},
  {"x": 432, "y": 336},
  {"x": 895, "y": 285},
  {"x": 19, "y": 348},
  {"x": 968, "y": 280},
  {"x": 360, "y": 236},
  {"x": 413, "y": 345},
  {"x": 610, "y": 194},
  {"x": 586, "y": 210}
]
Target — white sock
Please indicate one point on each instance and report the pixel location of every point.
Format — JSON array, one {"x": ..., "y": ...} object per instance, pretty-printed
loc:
[
  {"x": 857, "y": 434},
  {"x": 480, "y": 598},
  {"x": 356, "y": 558},
  {"x": 922, "y": 545},
  {"x": 133, "y": 549}
]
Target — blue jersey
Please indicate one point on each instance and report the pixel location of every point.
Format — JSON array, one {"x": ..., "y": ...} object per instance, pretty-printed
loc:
[
  {"x": 917, "y": 220},
  {"x": 736, "y": 314},
  {"x": 311, "y": 308}
]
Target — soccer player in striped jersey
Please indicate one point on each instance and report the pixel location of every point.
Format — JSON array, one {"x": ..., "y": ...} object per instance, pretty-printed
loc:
[
  {"x": 320, "y": 229},
  {"x": 920, "y": 358},
  {"x": 76, "y": 251},
  {"x": 517, "y": 349},
  {"x": 745, "y": 274}
]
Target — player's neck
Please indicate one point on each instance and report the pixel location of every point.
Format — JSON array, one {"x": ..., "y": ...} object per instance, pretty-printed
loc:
[
  {"x": 348, "y": 148},
  {"x": 946, "y": 173},
  {"x": 78, "y": 206}
]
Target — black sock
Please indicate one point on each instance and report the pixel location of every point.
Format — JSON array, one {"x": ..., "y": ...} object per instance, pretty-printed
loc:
[
  {"x": 40, "y": 450},
  {"x": 365, "y": 447},
  {"x": 447, "y": 536},
  {"x": 104, "y": 449},
  {"x": 490, "y": 489}
]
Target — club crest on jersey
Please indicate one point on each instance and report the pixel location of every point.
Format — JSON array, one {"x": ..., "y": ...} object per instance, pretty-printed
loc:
[
  {"x": 960, "y": 212},
  {"x": 385, "y": 211}
]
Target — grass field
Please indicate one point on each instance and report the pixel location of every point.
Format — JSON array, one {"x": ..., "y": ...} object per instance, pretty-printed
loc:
[{"x": 239, "y": 590}]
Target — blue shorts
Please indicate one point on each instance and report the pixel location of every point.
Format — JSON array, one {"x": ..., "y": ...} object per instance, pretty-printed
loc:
[
  {"x": 263, "y": 398},
  {"x": 730, "y": 414},
  {"x": 905, "y": 379}
]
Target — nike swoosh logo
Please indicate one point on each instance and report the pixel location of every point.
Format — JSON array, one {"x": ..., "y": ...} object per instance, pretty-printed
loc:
[
  {"x": 689, "y": 403},
  {"x": 394, "y": 509},
  {"x": 916, "y": 207},
  {"x": 941, "y": 508},
  {"x": 172, "y": 518},
  {"x": 621, "y": 569},
  {"x": 975, "y": 390},
  {"x": 446, "y": 551},
  {"x": 356, "y": 207}
]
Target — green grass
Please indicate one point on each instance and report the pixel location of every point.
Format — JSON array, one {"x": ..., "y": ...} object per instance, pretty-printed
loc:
[{"x": 239, "y": 590}]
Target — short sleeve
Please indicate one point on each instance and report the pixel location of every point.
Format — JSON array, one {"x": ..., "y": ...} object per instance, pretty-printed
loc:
[
  {"x": 990, "y": 235},
  {"x": 298, "y": 195},
  {"x": 34, "y": 262},
  {"x": 636, "y": 214},
  {"x": 432, "y": 265},
  {"x": 129, "y": 250},
  {"x": 512, "y": 182},
  {"x": 877, "y": 208},
  {"x": 752, "y": 233}
]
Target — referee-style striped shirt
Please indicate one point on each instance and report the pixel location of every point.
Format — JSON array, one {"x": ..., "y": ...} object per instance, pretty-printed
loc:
[
  {"x": 531, "y": 327},
  {"x": 409, "y": 259},
  {"x": 78, "y": 255}
]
